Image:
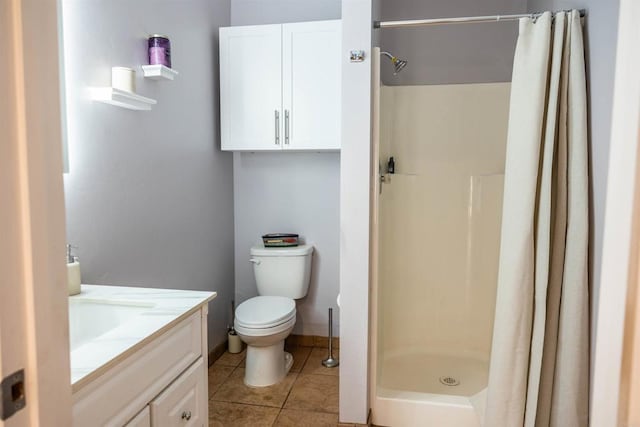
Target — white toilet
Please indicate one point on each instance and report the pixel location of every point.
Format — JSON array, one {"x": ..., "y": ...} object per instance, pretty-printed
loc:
[{"x": 263, "y": 322}]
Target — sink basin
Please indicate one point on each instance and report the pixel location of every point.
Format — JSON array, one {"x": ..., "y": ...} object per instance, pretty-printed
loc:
[{"x": 89, "y": 319}]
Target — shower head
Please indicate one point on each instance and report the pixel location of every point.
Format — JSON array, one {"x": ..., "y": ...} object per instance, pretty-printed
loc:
[{"x": 398, "y": 64}]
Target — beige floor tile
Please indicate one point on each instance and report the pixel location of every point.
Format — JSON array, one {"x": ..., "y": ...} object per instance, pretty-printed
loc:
[
  {"x": 296, "y": 418},
  {"x": 224, "y": 414},
  {"x": 229, "y": 359},
  {"x": 234, "y": 390},
  {"x": 314, "y": 363},
  {"x": 217, "y": 375},
  {"x": 300, "y": 356},
  {"x": 314, "y": 393}
]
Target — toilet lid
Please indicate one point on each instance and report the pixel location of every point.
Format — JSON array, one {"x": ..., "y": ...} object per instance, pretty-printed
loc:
[{"x": 265, "y": 311}]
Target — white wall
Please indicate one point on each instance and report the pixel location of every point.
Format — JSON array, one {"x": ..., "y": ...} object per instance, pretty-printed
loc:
[
  {"x": 354, "y": 212},
  {"x": 289, "y": 192},
  {"x": 149, "y": 194},
  {"x": 615, "y": 376}
]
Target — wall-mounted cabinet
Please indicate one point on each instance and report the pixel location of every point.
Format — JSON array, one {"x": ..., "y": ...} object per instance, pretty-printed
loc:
[{"x": 280, "y": 87}]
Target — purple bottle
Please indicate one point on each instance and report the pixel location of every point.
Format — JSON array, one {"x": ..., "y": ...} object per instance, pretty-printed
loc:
[{"x": 159, "y": 50}]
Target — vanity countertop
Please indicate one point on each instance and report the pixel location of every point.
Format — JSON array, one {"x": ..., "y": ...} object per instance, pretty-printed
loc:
[{"x": 107, "y": 323}]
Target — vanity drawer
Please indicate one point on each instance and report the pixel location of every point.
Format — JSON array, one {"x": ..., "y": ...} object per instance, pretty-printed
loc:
[
  {"x": 183, "y": 402},
  {"x": 123, "y": 390}
]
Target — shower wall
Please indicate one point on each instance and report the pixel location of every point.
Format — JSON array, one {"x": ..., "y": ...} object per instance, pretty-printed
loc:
[{"x": 440, "y": 216}]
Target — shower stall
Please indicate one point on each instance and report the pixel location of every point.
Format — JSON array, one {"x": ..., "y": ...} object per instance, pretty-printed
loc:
[{"x": 435, "y": 247}]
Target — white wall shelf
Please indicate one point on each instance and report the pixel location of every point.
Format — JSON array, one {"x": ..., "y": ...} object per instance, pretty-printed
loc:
[
  {"x": 122, "y": 98},
  {"x": 159, "y": 72}
]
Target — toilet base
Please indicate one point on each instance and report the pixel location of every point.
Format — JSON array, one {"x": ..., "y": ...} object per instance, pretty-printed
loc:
[{"x": 266, "y": 366}]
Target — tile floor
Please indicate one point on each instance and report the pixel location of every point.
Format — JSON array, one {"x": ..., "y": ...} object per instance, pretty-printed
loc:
[{"x": 307, "y": 397}]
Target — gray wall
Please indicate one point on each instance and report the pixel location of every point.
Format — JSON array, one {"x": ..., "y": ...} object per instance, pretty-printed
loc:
[
  {"x": 291, "y": 192},
  {"x": 257, "y": 12},
  {"x": 601, "y": 36},
  {"x": 297, "y": 192},
  {"x": 469, "y": 53},
  {"x": 149, "y": 194}
]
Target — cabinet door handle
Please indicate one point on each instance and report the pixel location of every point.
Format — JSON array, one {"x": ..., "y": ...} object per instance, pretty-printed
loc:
[
  {"x": 286, "y": 127},
  {"x": 277, "y": 113},
  {"x": 186, "y": 415}
]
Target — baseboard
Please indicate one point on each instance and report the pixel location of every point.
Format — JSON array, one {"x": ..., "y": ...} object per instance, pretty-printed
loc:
[
  {"x": 217, "y": 352},
  {"x": 291, "y": 341},
  {"x": 294, "y": 340}
]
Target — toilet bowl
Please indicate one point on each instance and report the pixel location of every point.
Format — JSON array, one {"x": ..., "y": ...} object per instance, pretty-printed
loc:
[{"x": 263, "y": 322}]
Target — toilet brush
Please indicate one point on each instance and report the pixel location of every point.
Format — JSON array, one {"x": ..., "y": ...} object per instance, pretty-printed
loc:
[
  {"x": 234, "y": 341},
  {"x": 330, "y": 362}
]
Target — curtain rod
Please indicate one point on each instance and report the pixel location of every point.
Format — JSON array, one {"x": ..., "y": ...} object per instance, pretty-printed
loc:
[{"x": 462, "y": 20}]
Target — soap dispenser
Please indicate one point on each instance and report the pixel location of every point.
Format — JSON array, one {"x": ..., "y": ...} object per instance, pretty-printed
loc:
[{"x": 73, "y": 273}]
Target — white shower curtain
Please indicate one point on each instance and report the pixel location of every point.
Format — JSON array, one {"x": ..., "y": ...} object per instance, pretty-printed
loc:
[{"x": 539, "y": 374}]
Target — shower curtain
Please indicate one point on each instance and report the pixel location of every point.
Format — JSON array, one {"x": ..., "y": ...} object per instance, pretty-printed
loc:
[{"x": 539, "y": 371}]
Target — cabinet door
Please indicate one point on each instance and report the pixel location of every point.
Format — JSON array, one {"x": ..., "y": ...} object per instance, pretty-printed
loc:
[
  {"x": 251, "y": 87},
  {"x": 184, "y": 402},
  {"x": 312, "y": 85},
  {"x": 143, "y": 419}
]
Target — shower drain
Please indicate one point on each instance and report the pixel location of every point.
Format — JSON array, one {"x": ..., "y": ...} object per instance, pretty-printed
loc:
[{"x": 446, "y": 380}]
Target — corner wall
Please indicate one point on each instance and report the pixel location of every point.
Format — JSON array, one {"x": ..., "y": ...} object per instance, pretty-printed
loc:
[
  {"x": 354, "y": 212},
  {"x": 150, "y": 195}
]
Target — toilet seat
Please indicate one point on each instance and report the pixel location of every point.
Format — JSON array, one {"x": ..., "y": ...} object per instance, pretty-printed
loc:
[{"x": 265, "y": 315}]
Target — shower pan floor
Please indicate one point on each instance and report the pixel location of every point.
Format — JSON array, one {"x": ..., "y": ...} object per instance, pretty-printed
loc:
[{"x": 434, "y": 373}]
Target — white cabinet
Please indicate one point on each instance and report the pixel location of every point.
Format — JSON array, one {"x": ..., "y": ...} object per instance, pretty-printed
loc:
[
  {"x": 143, "y": 419},
  {"x": 280, "y": 87},
  {"x": 184, "y": 402},
  {"x": 251, "y": 87},
  {"x": 162, "y": 383}
]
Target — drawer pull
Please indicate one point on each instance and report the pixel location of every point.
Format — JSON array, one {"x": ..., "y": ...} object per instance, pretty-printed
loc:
[
  {"x": 186, "y": 415},
  {"x": 277, "y": 126}
]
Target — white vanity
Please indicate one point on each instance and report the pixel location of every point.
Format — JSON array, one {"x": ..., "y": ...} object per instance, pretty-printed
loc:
[{"x": 139, "y": 356}]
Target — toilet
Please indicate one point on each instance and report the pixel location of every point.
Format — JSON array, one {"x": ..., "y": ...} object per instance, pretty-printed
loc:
[{"x": 263, "y": 322}]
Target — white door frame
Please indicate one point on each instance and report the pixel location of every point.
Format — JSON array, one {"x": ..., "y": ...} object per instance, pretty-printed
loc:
[
  {"x": 33, "y": 290},
  {"x": 621, "y": 237}
]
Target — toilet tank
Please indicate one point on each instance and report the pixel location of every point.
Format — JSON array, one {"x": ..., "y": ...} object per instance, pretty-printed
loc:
[{"x": 283, "y": 272}]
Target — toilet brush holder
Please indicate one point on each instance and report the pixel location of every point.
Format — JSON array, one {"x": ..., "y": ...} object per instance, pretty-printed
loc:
[
  {"x": 235, "y": 343},
  {"x": 330, "y": 362}
]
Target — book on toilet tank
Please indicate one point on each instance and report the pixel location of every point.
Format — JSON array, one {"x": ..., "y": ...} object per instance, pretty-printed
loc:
[{"x": 280, "y": 240}]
